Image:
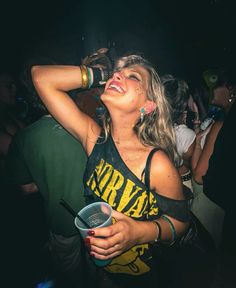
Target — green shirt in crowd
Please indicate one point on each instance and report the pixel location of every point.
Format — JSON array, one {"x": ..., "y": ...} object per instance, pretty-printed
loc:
[{"x": 46, "y": 154}]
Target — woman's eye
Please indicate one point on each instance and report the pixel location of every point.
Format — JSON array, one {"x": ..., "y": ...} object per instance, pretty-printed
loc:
[{"x": 134, "y": 77}]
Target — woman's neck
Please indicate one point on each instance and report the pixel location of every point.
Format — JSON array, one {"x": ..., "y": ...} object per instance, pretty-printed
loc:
[
  {"x": 123, "y": 133},
  {"x": 122, "y": 128}
]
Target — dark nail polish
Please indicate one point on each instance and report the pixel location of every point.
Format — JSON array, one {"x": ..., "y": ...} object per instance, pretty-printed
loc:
[{"x": 91, "y": 233}]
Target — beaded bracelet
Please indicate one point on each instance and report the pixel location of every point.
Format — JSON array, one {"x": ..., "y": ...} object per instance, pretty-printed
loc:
[{"x": 172, "y": 228}]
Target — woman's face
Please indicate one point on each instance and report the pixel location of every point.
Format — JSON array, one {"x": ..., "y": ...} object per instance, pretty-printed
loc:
[
  {"x": 127, "y": 89},
  {"x": 221, "y": 96}
]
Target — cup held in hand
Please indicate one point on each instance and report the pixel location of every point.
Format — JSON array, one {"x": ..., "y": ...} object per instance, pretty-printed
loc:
[{"x": 98, "y": 214}]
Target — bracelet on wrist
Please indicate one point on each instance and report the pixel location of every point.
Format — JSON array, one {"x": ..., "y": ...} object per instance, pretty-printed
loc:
[
  {"x": 84, "y": 76},
  {"x": 158, "y": 226},
  {"x": 93, "y": 76},
  {"x": 172, "y": 228},
  {"x": 100, "y": 76}
]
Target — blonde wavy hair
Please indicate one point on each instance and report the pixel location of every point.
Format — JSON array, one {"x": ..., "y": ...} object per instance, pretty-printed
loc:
[{"x": 156, "y": 129}]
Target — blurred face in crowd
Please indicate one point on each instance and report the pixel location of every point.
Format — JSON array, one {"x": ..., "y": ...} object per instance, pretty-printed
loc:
[{"x": 221, "y": 96}]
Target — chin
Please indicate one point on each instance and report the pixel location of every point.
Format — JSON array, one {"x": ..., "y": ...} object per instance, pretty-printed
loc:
[{"x": 105, "y": 96}]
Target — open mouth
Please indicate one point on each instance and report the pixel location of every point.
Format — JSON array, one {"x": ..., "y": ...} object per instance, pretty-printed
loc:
[{"x": 116, "y": 87}]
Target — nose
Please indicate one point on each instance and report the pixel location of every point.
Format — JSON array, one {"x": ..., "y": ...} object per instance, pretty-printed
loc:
[{"x": 117, "y": 75}]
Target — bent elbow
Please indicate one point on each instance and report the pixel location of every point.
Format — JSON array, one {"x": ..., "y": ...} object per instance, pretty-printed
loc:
[{"x": 36, "y": 74}]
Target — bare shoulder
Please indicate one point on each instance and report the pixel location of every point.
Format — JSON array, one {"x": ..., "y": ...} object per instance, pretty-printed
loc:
[
  {"x": 161, "y": 162},
  {"x": 164, "y": 177}
]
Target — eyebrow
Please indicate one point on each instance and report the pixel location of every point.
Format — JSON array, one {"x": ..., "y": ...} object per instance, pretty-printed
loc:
[
  {"x": 133, "y": 70},
  {"x": 136, "y": 72}
]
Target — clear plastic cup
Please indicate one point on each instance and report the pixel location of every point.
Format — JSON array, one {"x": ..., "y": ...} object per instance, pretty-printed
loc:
[{"x": 97, "y": 214}]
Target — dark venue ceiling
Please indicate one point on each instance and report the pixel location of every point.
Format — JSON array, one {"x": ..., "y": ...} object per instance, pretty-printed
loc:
[{"x": 183, "y": 37}]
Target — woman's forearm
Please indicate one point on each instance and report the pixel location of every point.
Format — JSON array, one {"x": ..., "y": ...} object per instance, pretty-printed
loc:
[
  {"x": 195, "y": 160},
  {"x": 164, "y": 232},
  {"x": 58, "y": 77},
  {"x": 52, "y": 83},
  {"x": 196, "y": 155}
]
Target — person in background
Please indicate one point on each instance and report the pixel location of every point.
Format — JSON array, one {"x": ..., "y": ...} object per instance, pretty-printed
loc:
[
  {"x": 10, "y": 121},
  {"x": 190, "y": 260},
  {"x": 193, "y": 115},
  {"x": 137, "y": 124},
  {"x": 178, "y": 94},
  {"x": 44, "y": 158},
  {"x": 89, "y": 101},
  {"x": 211, "y": 215},
  {"x": 219, "y": 179}
]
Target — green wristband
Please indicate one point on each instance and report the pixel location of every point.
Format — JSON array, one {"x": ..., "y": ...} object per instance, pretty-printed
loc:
[{"x": 172, "y": 228}]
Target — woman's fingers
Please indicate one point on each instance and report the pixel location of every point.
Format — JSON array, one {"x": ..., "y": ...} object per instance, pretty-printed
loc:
[
  {"x": 106, "y": 253},
  {"x": 113, "y": 239},
  {"x": 105, "y": 247}
]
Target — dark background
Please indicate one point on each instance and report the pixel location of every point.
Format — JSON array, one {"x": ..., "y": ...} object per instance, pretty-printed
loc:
[{"x": 183, "y": 37}]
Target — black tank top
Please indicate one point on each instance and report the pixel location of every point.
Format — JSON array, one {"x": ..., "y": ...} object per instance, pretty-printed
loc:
[{"x": 108, "y": 179}]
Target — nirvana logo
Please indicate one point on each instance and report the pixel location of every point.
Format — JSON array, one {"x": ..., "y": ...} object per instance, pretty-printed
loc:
[{"x": 120, "y": 192}]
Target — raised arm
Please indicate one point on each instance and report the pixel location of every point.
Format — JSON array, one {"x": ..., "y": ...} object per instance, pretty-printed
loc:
[
  {"x": 187, "y": 158},
  {"x": 52, "y": 82},
  {"x": 201, "y": 156}
]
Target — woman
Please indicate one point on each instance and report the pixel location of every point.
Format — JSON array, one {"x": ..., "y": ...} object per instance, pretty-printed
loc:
[
  {"x": 178, "y": 94},
  {"x": 210, "y": 214},
  {"x": 219, "y": 181},
  {"x": 137, "y": 120}
]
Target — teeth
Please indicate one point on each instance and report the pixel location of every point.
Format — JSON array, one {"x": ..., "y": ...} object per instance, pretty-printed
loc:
[{"x": 119, "y": 89}]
